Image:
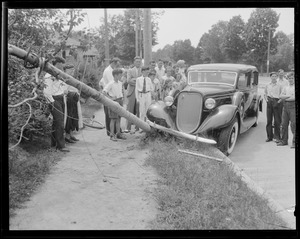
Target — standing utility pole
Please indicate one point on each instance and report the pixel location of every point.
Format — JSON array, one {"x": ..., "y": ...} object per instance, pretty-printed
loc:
[
  {"x": 106, "y": 39},
  {"x": 147, "y": 37},
  {"x": 137, "y": 32},
  {"x": 268, "y": 57}
]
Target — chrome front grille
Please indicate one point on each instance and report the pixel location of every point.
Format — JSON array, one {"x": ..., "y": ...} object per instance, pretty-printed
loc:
[{"x": 189, "y": 109}]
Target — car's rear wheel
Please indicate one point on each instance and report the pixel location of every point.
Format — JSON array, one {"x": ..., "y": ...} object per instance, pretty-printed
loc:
[{"x": 228, "y": 137}]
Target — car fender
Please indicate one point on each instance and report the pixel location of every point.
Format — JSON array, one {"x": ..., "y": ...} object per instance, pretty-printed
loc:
[
  {"x": 237, "y": 98},
  {"x": 218, "y": 118},
  {"x": 161, "y": 114}
]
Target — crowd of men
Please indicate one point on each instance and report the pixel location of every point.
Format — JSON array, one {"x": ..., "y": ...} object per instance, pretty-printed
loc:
[
  {"x": 136, "y": 87},
  {"x": 280, "y": 97}
]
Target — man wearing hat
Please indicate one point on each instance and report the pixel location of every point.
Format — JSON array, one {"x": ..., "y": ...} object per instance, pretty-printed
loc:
[{"x": 271, "y": 95}]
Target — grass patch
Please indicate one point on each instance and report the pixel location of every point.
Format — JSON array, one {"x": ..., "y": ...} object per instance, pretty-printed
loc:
[
  {"x": 29, "y": 164},
  {"x": 198, "y": 193}
]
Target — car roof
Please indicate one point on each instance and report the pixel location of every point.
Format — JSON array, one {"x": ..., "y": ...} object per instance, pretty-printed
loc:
[{"x": 224, "y": 67}]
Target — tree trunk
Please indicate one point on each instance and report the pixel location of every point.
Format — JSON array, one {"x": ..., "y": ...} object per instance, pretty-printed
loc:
[{"x": 52, "y": 70}]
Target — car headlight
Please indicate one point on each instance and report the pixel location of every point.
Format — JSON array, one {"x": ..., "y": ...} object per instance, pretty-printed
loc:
[
  {"x": 210, "y": 103},
  {"x": 169, "y": 100}
]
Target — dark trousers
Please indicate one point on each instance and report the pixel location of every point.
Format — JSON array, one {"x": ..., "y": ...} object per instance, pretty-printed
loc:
[
  {"x": 134, "y": 109},
  {"x": 288, "y": 115},
  {"x": 107, "y": 121},
  {"x": 273, "y": 112},
  {"x": 58, "y": 109}
]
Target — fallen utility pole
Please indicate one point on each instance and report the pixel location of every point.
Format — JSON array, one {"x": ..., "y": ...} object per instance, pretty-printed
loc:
[
  {"x": 181, "y": 134},
  {"x": 98, "y": 96},
  {"x": 199, "y": 155},
  {"x": 52, "y": 70}
]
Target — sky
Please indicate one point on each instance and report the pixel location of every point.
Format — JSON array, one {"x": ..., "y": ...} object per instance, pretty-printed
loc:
[{"x": 190, "y": 23}]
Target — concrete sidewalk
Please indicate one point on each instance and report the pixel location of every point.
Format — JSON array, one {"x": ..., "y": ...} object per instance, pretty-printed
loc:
[{"x": 271, "y": 167}]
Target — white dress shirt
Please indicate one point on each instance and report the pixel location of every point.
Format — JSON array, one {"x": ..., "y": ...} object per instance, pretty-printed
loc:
[
  {"x": 53, "y": 87},
  {"x": 289, "y": 91},
  {"x": 114, "y": 89},
  {"x": 140, "y": 83},
  {"x": 107, "y": 75}
]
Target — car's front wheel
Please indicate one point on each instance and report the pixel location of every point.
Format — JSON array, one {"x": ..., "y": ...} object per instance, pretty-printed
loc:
[{"x": 228, "y": 137}]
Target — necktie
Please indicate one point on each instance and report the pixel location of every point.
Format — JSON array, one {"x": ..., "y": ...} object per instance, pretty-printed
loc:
[{"x": 144, "y": 85}]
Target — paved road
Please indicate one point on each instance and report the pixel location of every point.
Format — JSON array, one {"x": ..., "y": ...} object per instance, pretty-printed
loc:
[{"x": 270, "y": 166}]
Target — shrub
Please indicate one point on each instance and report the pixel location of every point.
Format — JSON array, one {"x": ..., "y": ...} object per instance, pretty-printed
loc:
[{"x": 21, "y": 82}]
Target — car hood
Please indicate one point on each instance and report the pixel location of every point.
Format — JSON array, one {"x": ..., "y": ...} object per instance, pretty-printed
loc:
[{"x": 208, "y": 89}]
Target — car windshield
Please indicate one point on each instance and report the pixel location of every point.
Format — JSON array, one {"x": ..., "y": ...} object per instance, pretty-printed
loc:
[{"x": 213, "y": 77}]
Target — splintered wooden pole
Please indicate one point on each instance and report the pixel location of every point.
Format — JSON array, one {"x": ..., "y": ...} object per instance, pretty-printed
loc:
[
  {"x": 147, "y": 37},
  {"x": 89, "y": 91}
]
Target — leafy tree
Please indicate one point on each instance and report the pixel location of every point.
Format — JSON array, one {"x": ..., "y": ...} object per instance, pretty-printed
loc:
[
  {"x": 35, "y": 30},
  {"x": 165, "y": 54},
  {"x": 211, "y": 42},
  {"x": 284, "y": 58},
  {"x": 198, "y": 55},
  {"x": 121, "y": 30},
  {"x": 261, "y": 21},
  {"x": 234, "y": 40},
  {"x": 282, "y": 38},
  {"x": 183, "y": 50}
]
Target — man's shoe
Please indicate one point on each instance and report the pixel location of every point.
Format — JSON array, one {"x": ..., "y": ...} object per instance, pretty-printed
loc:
[
  {"x": 69, "y": 140},
  {"x": 293, "y": 146},
  {"x": 281, "y": 144},
  {"x": 73, "y": 138},
  {"x": 269, "y": 140},
  {"x": 126, "y": 131},
  {"x": 276, "y": 141},
  {"x": 113, "y": 138},
  {"x": 64, "y": 150},
  {"x": 121, "y": 136}
]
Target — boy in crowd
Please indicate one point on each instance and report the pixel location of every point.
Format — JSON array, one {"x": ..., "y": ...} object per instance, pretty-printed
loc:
[
  {"x": 114, "y": 91},
  {"x": 155, "y": 86},
  {"x": 143, "y": 89}
]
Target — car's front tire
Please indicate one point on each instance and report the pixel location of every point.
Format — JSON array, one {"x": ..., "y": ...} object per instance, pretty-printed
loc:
[{"x": 228, "y": 137}]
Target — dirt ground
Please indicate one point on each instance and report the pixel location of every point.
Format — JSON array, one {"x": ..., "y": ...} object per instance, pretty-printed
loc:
[{"x": 99, "y": 185}]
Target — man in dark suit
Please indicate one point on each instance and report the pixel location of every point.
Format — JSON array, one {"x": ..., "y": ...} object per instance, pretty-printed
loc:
[{"x": 132, "y": 74}]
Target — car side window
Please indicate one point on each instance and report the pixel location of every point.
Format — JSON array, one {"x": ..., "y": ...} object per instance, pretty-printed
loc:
[{"x": 245, "y": 81}]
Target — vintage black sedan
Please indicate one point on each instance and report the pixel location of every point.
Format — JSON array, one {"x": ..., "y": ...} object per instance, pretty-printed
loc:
[{"x": 219, "y": 101}]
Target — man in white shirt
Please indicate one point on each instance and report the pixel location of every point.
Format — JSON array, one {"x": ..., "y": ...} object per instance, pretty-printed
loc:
[
  {"x": 283, "y": 83},
  {"x": 114, "y": 90},
  {"x": 288, "y": 114},
  {"x": 108, "y": 77},
  {"x": 143, "y": 89},
  {"x": 55, "y": 92}
]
